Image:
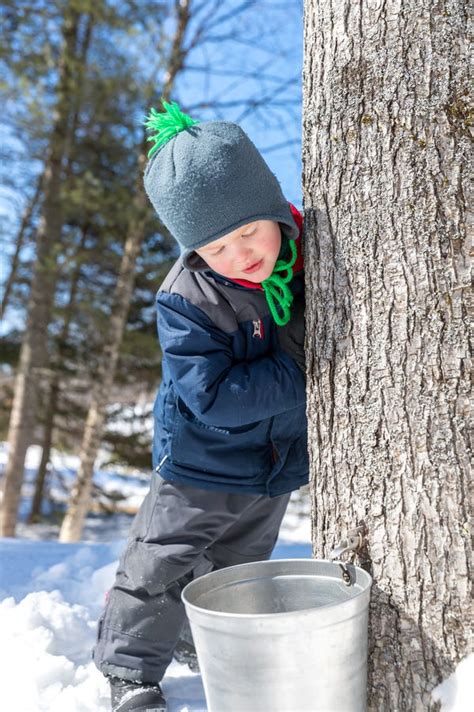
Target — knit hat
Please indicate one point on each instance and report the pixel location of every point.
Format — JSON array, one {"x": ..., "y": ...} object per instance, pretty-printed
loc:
[{"x": 207, "y": 179}]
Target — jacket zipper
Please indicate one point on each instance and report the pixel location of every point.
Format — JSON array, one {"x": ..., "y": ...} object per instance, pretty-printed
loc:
[{"x": 161, "y": 463}]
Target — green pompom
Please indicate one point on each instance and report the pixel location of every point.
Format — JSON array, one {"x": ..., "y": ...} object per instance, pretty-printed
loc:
[{"x": 166, "y": 125}]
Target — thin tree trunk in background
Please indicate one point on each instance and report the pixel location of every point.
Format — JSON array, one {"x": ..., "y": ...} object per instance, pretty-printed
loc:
[
  {"x": 386, "y": 139},
  {"x": 78, "y": 98},
  {"x": 54, "y": 391},
  {"x": 34, "y": 350},
  {"x": 37, "y": 501},
  {"x": 71, "y": 529},
  {"x": 15, "y": 259},
  {"x": 78, "y": 507}
]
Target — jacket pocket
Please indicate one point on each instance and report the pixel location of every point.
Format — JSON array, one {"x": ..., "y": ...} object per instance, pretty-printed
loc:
[{"x": 227, "y": 454}]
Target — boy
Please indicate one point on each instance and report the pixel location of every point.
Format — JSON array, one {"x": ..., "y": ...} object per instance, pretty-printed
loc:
[{"x": 230, "y": 422}]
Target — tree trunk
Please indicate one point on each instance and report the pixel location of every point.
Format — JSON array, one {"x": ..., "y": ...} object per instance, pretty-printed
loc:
[
  {"x": 15, "y": 260},
  {"x": 386, "y": 138},
  {"x": 73, "y": 523},
  {"x": 35, "y": 512},
  {"x": 34, "y": 349},
  {"x": 55, "y": 387},
  {"x": 78, "y": 506}
]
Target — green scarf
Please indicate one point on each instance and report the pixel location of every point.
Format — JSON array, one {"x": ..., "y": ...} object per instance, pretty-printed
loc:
[{"x": 276, "y": 288}]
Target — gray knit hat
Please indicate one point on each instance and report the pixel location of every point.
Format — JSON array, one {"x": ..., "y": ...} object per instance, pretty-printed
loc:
[{"x": 207, "y": 179}]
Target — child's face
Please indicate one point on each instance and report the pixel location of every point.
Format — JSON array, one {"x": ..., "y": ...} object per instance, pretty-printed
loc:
[{"x": 250, "y": 252}]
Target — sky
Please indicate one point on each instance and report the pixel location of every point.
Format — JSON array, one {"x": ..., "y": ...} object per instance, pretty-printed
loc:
[{"x": 265, "y": 66}]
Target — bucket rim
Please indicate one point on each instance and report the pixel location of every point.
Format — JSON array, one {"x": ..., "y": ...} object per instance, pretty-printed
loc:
[{"x": 282, "y": 614}]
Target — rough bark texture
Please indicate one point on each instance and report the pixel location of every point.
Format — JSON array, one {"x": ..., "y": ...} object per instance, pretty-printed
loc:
[
  {"x": 34, "y": 349},
  {"x": 386, "y": 138},
  {"x": 71, "y": 529}
]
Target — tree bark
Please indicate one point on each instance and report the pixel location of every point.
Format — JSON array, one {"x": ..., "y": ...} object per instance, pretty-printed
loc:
[
  {"x": 386, "y": 138},
  {"x": 34, "y": 350},
  {"x": 73, "y": 523}
]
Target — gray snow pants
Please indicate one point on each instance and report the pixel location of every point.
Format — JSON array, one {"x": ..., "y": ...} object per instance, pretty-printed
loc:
[{"x": 179, "y": 533}]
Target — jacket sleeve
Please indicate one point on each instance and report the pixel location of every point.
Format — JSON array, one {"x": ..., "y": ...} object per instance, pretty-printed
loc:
[{"x": 218, "y": 391}]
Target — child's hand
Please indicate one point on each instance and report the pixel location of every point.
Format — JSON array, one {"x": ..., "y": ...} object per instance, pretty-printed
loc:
[{"x": 291, "y": 335}]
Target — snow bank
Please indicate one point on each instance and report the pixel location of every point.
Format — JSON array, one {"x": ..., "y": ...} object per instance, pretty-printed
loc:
[
  {"x": 45, "y": 656},
  {"x": 455, "y": 693},
  {"x": 48, "y": 622}
]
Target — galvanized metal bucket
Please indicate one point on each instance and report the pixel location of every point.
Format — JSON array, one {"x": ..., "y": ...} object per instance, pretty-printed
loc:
[{"x": 282, "y": 636}]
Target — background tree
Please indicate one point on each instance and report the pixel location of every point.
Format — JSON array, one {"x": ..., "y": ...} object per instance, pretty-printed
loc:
[
  {"x": 34, "y": 350},
  {"x": 69, "y": 192},
  {"x": 387, "y": 127},
  {"x": 99, "y": 183},
  {"x": 124, "y": 55}
]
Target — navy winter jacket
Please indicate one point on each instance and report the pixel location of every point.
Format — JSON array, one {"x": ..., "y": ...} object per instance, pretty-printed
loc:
[{"x": 230, "y": 413}]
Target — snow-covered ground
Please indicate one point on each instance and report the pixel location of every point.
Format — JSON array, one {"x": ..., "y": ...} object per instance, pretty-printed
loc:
[{"x": 51, "y": 595}]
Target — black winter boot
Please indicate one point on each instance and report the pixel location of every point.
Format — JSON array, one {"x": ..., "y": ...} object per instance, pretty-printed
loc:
[{"x": 127, "y": 696}]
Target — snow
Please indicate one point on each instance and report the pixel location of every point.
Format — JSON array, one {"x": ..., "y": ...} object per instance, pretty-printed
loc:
[
  {"x": 51, "y": 595},
  {"x": 455, "y": 693}
]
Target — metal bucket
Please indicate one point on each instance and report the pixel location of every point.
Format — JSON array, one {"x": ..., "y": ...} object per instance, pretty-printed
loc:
[{"x": 281, "y": 636}]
